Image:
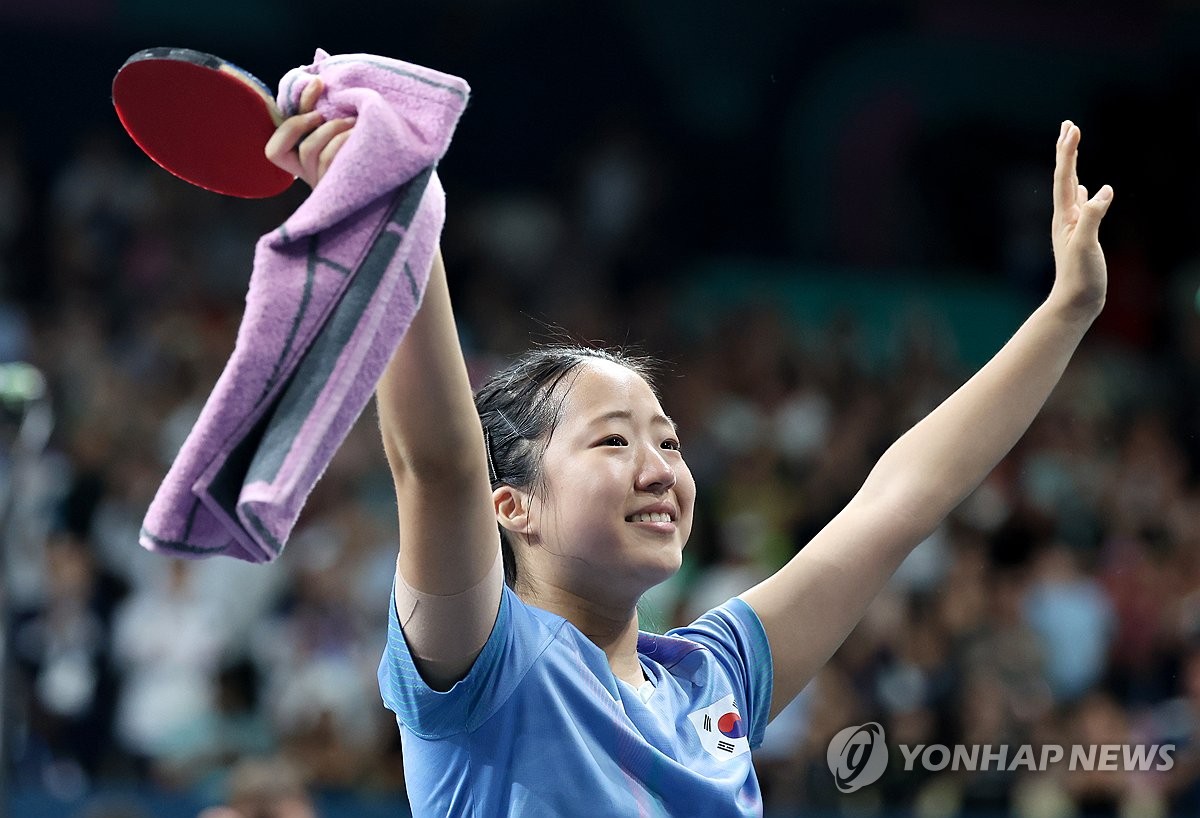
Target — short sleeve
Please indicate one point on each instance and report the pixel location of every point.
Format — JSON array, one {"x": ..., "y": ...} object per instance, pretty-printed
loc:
[
  {"x": 516, "y": 641},
  {"x": 735, "y": 636}
]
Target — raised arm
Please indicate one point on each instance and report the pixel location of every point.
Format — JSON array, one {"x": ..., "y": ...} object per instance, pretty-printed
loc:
[
  {"x": 810, "y": 605},
  {"x": 448, "y": 577}
]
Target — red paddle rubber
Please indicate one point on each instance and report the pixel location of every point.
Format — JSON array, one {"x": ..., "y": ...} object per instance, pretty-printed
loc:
[{"x": 202, "y": 119}]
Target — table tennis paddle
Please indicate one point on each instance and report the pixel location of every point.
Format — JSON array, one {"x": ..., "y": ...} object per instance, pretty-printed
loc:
[{"x": 201, "y": 118}]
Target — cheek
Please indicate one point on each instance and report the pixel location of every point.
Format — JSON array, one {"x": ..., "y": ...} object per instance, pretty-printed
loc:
[
  {"x": 579, "y": 494},
  {"x": 685, "y": 486},
  {"x": 591, "y": 477},
  {"x": 685, "y": 493}
]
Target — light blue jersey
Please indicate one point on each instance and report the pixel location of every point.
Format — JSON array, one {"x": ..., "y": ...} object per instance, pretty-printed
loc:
[{"x": 542, "y": 727}]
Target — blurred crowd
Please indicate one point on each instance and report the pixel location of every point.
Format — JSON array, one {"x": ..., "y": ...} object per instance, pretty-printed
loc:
[{"x": 1059, "y": 605}]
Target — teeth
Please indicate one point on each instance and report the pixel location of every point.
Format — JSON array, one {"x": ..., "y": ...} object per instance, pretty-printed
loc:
[{"x": 655, "y": 517}]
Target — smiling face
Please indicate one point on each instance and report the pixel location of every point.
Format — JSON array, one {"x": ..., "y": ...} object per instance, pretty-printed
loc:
[{"x": 614, "y": 509}]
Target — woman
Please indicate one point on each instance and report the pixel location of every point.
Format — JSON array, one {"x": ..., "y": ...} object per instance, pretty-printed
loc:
[{"x": 540, "y": 696}]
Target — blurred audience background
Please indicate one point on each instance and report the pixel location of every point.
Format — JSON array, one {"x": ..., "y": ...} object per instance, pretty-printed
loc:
[{"x": 822, "y": 215}]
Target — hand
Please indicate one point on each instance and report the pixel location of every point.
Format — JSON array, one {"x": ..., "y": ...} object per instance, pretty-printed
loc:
[
  {"x": 1081, "y": 277},
  {"x": 305, "y": 144}
]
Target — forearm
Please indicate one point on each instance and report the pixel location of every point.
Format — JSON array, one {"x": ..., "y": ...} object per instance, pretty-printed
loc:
[
  {"x": 916, "y": 483},
  {"x": 426, "y": 410},
  {"x": 937, "y": 463}
]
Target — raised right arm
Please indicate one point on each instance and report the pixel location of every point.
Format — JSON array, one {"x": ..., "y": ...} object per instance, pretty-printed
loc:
[{"x": 448, "y": 573}]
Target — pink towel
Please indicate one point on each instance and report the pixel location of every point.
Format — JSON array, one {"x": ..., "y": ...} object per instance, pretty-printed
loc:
[{"x": 331, "y": 295}]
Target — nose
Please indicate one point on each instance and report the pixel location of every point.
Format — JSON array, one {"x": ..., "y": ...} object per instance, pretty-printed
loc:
[{"x": 655, "y": 474}]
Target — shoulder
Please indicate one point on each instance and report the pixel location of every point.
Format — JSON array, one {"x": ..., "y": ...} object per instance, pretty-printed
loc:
[
  {"x": 730, "y": 657},
  {"x": 731, "y": 627},
  {"x": 520, "y": 636}
]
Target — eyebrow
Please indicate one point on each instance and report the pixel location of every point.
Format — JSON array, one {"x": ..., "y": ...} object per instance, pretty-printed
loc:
[{"x": 625, "y": 414}]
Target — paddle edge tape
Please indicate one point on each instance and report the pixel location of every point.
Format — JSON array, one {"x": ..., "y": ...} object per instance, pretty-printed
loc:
[{"x": 208, "y": 61}]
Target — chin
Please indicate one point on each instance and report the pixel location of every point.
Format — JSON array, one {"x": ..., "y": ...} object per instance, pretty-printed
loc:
[{"x": 661, "y": 569}]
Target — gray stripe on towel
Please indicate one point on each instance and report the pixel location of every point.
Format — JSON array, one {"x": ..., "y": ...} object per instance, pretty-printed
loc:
[
  {"x": 259, "y": 455},
  {"x": 310, "y": 274}
]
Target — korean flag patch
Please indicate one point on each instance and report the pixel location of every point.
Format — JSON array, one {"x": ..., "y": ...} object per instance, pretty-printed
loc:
[{"x": 721, "y": 728}]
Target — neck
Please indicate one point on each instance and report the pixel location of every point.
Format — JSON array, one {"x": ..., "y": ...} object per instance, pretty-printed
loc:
[{"x": 612, "y": 627}]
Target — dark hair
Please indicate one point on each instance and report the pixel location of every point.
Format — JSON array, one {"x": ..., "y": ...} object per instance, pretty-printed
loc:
[{"x": 521, "y": 405}]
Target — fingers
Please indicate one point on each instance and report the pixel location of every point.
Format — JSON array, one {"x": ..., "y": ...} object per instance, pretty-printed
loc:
[
  {"x": 281, "y": 147},
  {"x": 1091, "y": 212},
  {"x": 1073, "y": 208},
  {"x": 1065, "y": 180},
  {"x": 318, "y": 148},
  {"x": 305, "y": 144},
  {"x": 331, "y": 150},
  {"x": 292, "y": 130},
  {"x": 310, "y": 95}
]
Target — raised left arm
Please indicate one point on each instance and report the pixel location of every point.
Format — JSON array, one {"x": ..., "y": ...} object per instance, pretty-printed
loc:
[{"x": 811, "y": 604}]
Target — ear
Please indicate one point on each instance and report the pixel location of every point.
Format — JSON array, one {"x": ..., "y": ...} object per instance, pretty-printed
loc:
[{"x": 512, "y": 509}]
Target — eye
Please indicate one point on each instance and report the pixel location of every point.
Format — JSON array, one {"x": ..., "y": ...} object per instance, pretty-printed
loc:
[
  {"x": 613, "y": 440},
  {"x": 672, "y": 445}
]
